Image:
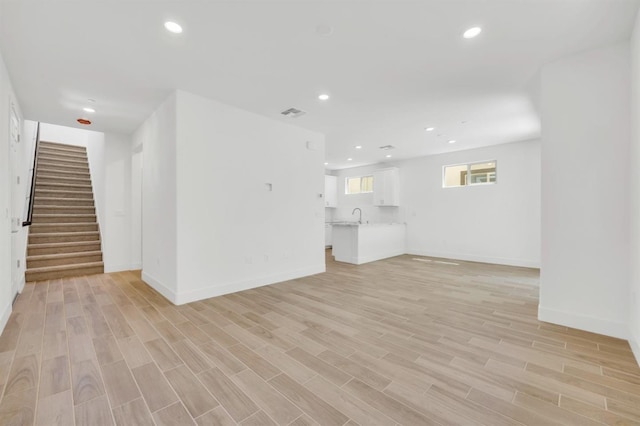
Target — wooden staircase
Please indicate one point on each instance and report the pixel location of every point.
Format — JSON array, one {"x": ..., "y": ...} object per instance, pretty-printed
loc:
[{"x": 64, "y": 237}]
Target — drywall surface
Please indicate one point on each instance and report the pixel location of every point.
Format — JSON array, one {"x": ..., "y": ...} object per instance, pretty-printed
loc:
[
  {"x": 634, "y": 198},
  {"x": 585, "y": 101}
]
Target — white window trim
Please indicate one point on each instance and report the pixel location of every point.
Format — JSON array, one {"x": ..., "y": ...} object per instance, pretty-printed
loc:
[{"x": 346, "y": 184}]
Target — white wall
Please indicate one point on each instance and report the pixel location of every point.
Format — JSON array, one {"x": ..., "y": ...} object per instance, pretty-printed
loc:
[
  {"x": 486, "y": 223},
  {"x": 634, "y": 291},
  {"x": 157, "y": 137},
  {"x": 109, "y": 157},
  {"x": 6, "y": 208},
  {"x": 585, "y": 185},
  {"x": 489, "y": 223},
  {"x": 233, "y": 234}
]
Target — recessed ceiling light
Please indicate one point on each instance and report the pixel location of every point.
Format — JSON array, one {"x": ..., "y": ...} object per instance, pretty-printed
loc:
[
  {"x": 87, "y": 109},
  {"x": 388, "y": 155},
  {"x": 323, "y": 97},
  {"x": 349, "y": 159},
  {"x": 472, "y": 32},
  {"x": 173, "y": 27},
  {"x": 429, "y": 129},
  {"x": 452, "y": 141},
  {"x": 326, "y": 164},
  {"x": 358, "y": 146}
]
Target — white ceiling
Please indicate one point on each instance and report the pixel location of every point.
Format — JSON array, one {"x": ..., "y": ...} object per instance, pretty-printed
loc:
[{"x": 392, "y": 68}]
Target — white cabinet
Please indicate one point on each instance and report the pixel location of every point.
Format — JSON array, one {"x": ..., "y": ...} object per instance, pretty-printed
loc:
[
  {"x": 386, "y": 187},
  {"x": 330, "y": 191},
  {"x": 328, "y": 235}
]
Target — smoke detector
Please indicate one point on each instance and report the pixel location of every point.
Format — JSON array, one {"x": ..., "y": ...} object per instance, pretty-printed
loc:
[
  {"x": 387, "y": 147},
  {"x": 293, "y": 112}
]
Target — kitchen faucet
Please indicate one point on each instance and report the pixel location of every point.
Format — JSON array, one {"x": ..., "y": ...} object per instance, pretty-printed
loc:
[{"x": 354, "y": 212}]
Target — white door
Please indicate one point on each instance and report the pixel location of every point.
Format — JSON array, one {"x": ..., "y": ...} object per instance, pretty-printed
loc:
[{"x": 17, "y": 199}]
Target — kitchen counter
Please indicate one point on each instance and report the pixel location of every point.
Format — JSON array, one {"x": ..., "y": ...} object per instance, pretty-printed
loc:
[{"x": 362, "y": 243}]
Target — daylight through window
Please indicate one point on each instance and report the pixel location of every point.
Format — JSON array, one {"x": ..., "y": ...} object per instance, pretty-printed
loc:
[
  {"x": 469, "y": 174},
  {"x": 358, "y": 185}
]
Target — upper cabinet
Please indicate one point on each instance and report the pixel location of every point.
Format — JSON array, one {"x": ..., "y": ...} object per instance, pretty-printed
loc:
[
  {"x": 386, "y": 187},
  {"x": 330, "y": 191}
]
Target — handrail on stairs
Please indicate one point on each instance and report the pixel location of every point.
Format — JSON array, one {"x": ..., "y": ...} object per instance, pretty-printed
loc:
[{"x": 33, "y": 178}]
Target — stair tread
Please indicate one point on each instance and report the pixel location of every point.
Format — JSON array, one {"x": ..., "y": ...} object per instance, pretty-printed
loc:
[
  {"x": 62, "y": 224},
  {"x": 62, "y": 215},
  {"x": 54, "y": 245},
  {"x": 63, "y": 255},
  {"x": 63, "y": 191},
  {"x": 65, "y": 267},
  {"x": 56, "y": 234}
]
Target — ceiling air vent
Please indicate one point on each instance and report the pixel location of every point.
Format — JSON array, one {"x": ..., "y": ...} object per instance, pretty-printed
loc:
[
  {"x": 293, "y": 112},
  {"x": 387, "y": 147}
]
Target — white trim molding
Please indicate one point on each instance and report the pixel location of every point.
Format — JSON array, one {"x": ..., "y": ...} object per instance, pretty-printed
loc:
[{"x": 584, "y": 322}]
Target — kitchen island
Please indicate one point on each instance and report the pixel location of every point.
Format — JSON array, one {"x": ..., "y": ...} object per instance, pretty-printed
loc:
[{"x": 362, "y": 243}]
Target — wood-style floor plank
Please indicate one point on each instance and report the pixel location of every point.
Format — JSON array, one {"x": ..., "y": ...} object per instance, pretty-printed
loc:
[{"x": 394, "y": 342}]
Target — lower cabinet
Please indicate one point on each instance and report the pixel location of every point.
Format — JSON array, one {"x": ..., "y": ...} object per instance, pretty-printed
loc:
[{"x": 328, "y": 230}]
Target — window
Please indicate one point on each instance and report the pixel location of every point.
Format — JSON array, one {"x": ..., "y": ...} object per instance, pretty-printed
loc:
[
  {"x": 469, "y": 174},
  {"x": 358, "y": 185}
]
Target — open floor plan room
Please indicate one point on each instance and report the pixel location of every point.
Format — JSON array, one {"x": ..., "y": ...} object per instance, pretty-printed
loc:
[{"x": 406, "y": 340}]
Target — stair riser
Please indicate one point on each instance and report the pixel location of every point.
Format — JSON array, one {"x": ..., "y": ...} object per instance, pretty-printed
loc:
[
  {"x": 64, "y": 261},
  {"x": 43, "y": 186},
  {"x": 40, "y": 251},
  {"x": 64, "y": 194},
  {"x": 76, "y": 272},
  {"x": 62, "y": 147},
  {"x": 49, "y": 165},
  {"x": 48, "y": 238},
  {"x": 52, "y": 180},
  {"x": 63, "y": 210},
  {"x": 38, "y": 219},
  {"x": 62, "y": 161},
  {"x": 44, "y": 228},
  {"x": 67, "y": 202}
]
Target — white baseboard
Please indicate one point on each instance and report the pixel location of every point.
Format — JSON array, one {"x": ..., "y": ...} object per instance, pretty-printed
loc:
[
  {"x": 474, "y": 258},
  {"x": 232, "y": 287},
  {"x": 6, "y": 313},
  {"x": 122, "y": 267},
  {"x": 366, "y": 259},
  {"x": 160, "y": 287},
  {"x": 584, "y": 322}
]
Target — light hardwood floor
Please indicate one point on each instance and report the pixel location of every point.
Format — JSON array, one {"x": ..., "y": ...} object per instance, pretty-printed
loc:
[{"x": 400, "y": 341}]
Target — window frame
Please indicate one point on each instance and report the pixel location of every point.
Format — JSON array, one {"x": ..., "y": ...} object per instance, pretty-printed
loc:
[
  {"x": 362, "y": 177},
  {"x": 468, "y": 173}
]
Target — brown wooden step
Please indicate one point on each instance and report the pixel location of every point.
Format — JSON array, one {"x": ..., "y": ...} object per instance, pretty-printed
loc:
[
  {"x": 56, "y": 248},
  {"x": 43, "y": 209},
  {"x": 54, "y": 193},
  {"x": 63, "y": 173},
  {"x": 44, "y": 178},
  {"x": 47, "y": 228},
  {"x": 63, "y": 259},
  {"x": 61, "y": 146},
  {"x": 39, "y": 218},
  {"x": 55, "y": 201},
  {"x": 63, "y": 237},
  {"x": 62, "y": 271},
  {"x": 62, "y": 154},
  {"x": 44, "y": 185},
  {"x": 53, "y": 165},
  {"x": 46, "y": 158}
]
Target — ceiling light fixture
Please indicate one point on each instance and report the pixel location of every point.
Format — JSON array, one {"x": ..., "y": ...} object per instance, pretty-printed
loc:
[
  {"x": 87, "y": 109},
  {"x": 452, "y": 141},
  {"x": 349, "y": 159},
  {"x": 388, "y": 155},
  {"x": 326, "y": 164},
  {"x": 358, "y": 146},
  {"x": 429, "y": 129},
  {"x": 323, "y": 97},
  {"x": 472, "y": 32},
  {"x": 173, "y": 27}
]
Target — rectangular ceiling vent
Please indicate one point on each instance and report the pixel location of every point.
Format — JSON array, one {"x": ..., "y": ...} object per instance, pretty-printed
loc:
[
  {"x": 293, "y": 112},
  {"x": 387, "y": 147}
]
